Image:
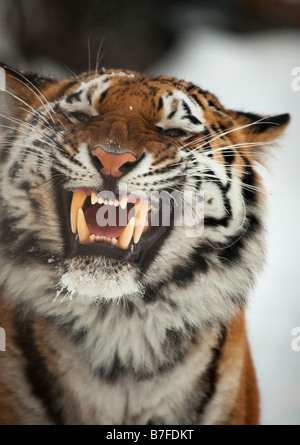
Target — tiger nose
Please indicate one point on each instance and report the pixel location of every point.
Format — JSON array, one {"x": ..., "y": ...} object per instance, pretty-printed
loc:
[{"x": 111, "y": 163}]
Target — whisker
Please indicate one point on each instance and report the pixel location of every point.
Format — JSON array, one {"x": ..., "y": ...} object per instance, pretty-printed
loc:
[
  {"x": 25, "y": 124},
  {"x": 98, "y": 59},
  {"x": 38, "y": 94}
]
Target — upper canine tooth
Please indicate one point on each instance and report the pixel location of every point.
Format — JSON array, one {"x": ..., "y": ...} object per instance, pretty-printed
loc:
[
  {"x": 77, "y": 202},
  {"x": 94, "y": 198},
  {"x": 141, "y": 211},
  {"x": 83, "y": 231},
  {"x": 123, "y": 202},
  {"x": 127, "y": 233}
]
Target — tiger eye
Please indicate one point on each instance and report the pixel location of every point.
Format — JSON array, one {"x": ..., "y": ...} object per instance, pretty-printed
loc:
[
  {"x": 81, "y": 117},
  {"x": 175, "y": 132}
]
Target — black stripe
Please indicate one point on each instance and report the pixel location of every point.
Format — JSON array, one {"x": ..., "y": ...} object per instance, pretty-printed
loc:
[
  {"x": 74, "y": 97},
  {"x": 69, "y": 156},
  {"x": 160, "y": 104},
  {"x": 4, "y": 153},
  {"x": 208, "y": 381},
  {"x": 193, "y": 119},
  {"x": 103, "y": 95},
  {"x": 196, "y": 99},
  {"x": 213, "y": 104},
  {"x": 206, "y": 147},
  {"x": 224, "y": 221},
  {"x": 63, "y": 204},
  {"x": 265, "y": 123},
  {"x": 236, "y": 245},
  {"x": 175, "y": 345},
  {"x": 25, "y": 246},
  {"x": 184, "y": 275},
  {"x": 216, "y": 131},
  {"x": 43, "y": 383},
  {"x": 186, "y": 107},
  {"x": 249, "y": 180},
  {"x": 229, "y": 156},
  {"x": 153, "y": 294},
  {"x": 215, "y": 222},
  {"x": 171, "y": 114},
  {"x": 165, "y": 158},
  {"x": 189, "y": 115},
  {"x": 67, "y": 327},
  {"x": 14, "y": 170}
]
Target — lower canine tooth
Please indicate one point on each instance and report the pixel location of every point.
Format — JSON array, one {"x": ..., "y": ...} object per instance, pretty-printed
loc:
[
  {"x": 114, "y": 241},
  {"x": 127, "y": 233},
  {"x": 141, "y": 211},
  {"x": 82, "y": 228}
]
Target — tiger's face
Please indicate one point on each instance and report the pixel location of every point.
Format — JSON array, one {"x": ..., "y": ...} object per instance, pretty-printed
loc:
[{"x": 116, "y": 184}]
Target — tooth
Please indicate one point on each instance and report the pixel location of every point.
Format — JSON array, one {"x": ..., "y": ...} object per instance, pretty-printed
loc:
[
  {"x": 77, "y": 202},
  {"x": 114, "y": 241},
  {"x": 92, "y": 238},
  {"x": 83, "y": 231},
  {"x": 123, "y": 202},
  {"x": 111, "y": 202},
  {"x": 98, "y": 238},
  {"x": 94, "y": 198},
  {"x": 105, "y": 201},
  {"x": 100, "y": 200},
  {"x": 116, "y": 203},
  {"x": 126, "y": 236},
  {"x": 141, "y": 212}
]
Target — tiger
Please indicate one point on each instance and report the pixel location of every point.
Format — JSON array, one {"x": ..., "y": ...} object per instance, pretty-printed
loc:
[{"x": 132, "y": 231}]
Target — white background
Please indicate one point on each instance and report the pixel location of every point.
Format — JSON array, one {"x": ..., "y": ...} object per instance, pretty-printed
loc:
[{"x": 255, "y": 74}]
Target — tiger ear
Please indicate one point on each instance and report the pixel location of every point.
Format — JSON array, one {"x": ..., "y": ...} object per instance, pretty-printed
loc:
[
  {"x": 20, "y": 92},
  {"x": 261, "y": 128}
]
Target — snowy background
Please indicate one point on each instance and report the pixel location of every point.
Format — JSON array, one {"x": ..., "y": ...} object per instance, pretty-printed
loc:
[
  {"x": 250, "y": 71},
  {"x": 255, "y": 74}
]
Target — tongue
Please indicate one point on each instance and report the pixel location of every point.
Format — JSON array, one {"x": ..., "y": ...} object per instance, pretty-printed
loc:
[{"x": 108, "y": 227}]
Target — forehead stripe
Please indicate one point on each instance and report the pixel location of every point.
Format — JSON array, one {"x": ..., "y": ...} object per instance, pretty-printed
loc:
[
  {"x": 193, "y": 119},
  {"x": 74, "y": 97}
]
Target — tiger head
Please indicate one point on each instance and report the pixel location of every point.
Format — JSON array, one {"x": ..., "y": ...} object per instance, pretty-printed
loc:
[{"x": 119, "y": 185}]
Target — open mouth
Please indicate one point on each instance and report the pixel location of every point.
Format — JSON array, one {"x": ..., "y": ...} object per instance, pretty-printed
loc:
[{"x": 125, "y": 228}]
